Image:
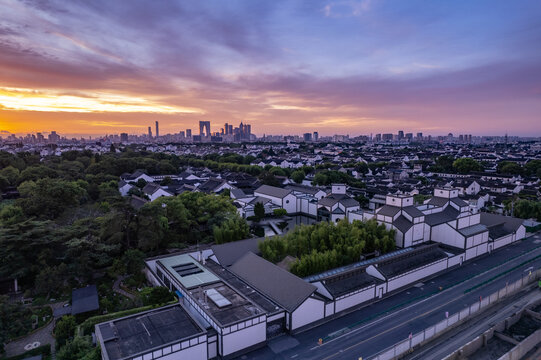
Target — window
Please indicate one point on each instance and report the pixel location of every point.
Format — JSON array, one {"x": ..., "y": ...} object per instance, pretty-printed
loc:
[{"x": 287, "y": 201}]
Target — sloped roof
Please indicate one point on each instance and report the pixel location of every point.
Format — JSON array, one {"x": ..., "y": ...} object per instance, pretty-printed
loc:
[
  {"x": 284, "y": 288},
  {"x": 388, "y": 210},
  {"x": 273, "y": 191},
  {"x": 449, "y": 214},
  {"x": 438, "y": 201},
  {"x": 349, "y": 281},
  {"x": 499, "y": 225},
  {"x": 84, "y": 300},
  {"x": 413, "y": 211},
  {"x": 408, "y": 261},
  {"x": 459, "y": 202},
  {"x": 211, "y": 185},
  {"x": 228, "y": 253},
  {"x": 402, "y": 224},
  {"x": 473, "y": 230}
]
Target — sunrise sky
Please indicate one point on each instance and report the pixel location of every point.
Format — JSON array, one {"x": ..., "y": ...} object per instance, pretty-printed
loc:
[{"x": 287, "y": 67}]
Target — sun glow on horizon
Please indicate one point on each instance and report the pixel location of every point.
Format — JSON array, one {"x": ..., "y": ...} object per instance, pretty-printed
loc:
[{"x": 94, "y": 102}]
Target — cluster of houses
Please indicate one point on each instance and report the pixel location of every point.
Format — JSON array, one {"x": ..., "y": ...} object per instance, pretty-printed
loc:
[{"x": 233, "y": 301}]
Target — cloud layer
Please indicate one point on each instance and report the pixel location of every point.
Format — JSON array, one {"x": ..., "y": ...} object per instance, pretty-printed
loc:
[{"x": 286, "y": 67}]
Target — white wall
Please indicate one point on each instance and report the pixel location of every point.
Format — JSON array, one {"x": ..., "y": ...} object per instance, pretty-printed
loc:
[
  {"x": 455, "y": 260},
  {"x": 241, "y": 339},
  {"x": 355, "y": 299},
  {"x": 290, "y": 207},
  {"x": 447, "y": 235},
  {"x": 521, "y": 233},
  {"x": 196, "y": 352},
  {"x": 311, "y": 310},
  {"x": 416, "y": 275},
  {"x": 506, "y": 240}
]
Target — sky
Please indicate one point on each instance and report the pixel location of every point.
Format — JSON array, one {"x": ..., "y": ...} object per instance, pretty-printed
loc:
[{"x": 284, "y": 66}]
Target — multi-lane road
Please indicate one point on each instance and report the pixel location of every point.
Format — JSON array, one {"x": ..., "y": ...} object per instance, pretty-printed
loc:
[{"x": 374, "y": 328}]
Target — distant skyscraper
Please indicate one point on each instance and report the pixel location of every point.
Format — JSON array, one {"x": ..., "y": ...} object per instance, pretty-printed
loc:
[
  {"x": 400, "y": 135},
  {"x": 387, "y": 137},
  {"x": 307, "y": 137},
  {"x": 124, "y": 137},
  {"x": 409, "y": 136},
  {"x": 150, "y": 132},
  {"x": 315, "y": 136},
  {"x": 53, "y": 137},
  {"x": 188, "y": 132},
  {"x": 226, "y": 129},
  {"x": 204, "y": 128},
  {"x": 157, "y": 129},
  {"x": 181, "y": 134},
  {"x": 419, "y": 136}
]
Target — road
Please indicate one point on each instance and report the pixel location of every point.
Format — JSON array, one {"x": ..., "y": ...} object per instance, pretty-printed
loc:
[
  {"x": 414, "y": 308},
  {"x": 476, "y": 325}
]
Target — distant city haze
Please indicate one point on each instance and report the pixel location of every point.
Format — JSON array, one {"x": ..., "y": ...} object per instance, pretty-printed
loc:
[{"x": 285, "y": 67}]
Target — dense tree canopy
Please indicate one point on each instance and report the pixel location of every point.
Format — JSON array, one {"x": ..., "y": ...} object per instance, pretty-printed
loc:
[
  {"x": 70, "y": 222},
  {"x": 324, "y": 246},
  {"x": 466, "y": 165}
]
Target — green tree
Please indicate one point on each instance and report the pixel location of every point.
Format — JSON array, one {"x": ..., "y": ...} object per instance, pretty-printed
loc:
[
  {"x": 298, "y": 176},
  {"x": 48, "y": 198},
  {"x": 11, "y": 174},
  {"x": 134, "y": 260},
  {"x": 79, "y": 348},
  {"x": 510, "y": 167},
  {"x": 233, "y": 229},
  {"x": 259, "y": 211},
  {"x": 65, "y": 329},
  {"x": 279, "y": 212},
  {"x": 466, "y": 165}
]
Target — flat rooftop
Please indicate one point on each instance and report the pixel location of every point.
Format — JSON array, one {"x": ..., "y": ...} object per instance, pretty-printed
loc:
[
  {"x": 244, "y": 288},
  {"x": 145, "y": 331},
  {"x": 187, "y": 271},
  {"x": 224, "y": 303}
]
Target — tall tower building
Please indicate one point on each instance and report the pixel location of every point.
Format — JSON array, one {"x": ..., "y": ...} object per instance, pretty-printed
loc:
[
  {"x": 157, "y": 129},
  {"x": 315, "y": 136},
  {"x": 189, "y": 133},
  {"x": 150, "y": 132},
  {"x": 204, "y": 128}
]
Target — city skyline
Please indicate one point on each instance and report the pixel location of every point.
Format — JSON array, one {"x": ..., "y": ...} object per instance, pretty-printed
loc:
[{"x": 336, "y": 67}]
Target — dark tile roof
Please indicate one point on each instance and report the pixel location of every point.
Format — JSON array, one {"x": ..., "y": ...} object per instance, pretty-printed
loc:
[
  {"x": 438, "y": 201},
  {"x": 459, "y": 202},
  {"x": 347, "y": 282},
  {"x": 137, "y": 202},
  {"x": 413, "y": 211},
  {"x": 402, "y": 224},
  {"x": 228, "y": 253},
  {"x": 284, "y": 288},
  {"x": 84, "y": 300},
  {"x": 388, "y": 210},
  {"x": 408, "y": 261},
  {"x": 273, "y": 191},
  {"x": 449, "y": 214},
  {"x": 473, "y": 230},
  {"x": 211, "y": 185},
  {"x": 499, "y": 225}
]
